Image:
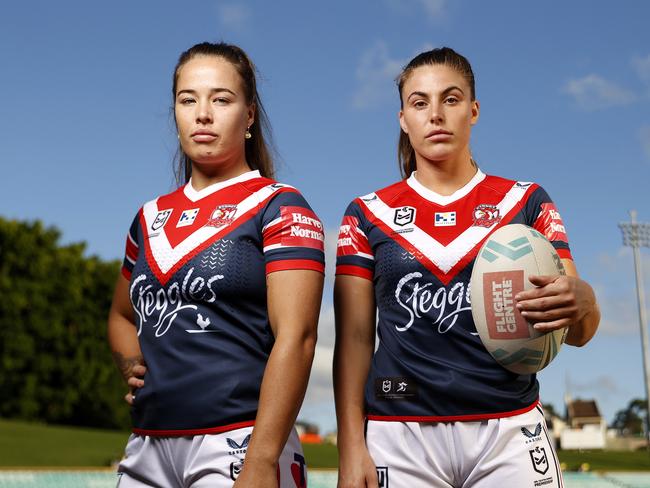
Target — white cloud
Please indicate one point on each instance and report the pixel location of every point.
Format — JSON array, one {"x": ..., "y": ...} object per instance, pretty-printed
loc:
[
  {"x": 434, "y": 9},
  {"x": 644, "y": 139},
  {"x": 233, "y": 16},
  {"x": 376, "y": 75},
  {"x": 594, "y": 92},
  {"x": 642, "y": 67}
]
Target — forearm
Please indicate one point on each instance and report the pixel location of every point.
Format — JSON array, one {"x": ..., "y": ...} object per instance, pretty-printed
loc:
[
  {"x": 282, "y": 391},
  {"x": 582, "y": 332},
  {"x": 351, "y": 366}
]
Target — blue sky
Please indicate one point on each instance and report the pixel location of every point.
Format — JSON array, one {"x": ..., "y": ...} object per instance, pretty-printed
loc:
[{"x": 564, "y": 88}]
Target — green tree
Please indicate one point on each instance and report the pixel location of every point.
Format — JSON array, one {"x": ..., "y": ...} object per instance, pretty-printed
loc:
[
  {"x": 55, "y": 364},
  {"x": 631, "y": 420}
]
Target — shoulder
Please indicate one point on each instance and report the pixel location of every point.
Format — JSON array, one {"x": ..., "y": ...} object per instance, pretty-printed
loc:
[
  {"x": 386, "y": 194},
  {"x": 499, "y": 184}
]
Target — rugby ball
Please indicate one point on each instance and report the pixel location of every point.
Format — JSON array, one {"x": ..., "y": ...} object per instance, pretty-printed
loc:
[{"x": 501, "y": 270}]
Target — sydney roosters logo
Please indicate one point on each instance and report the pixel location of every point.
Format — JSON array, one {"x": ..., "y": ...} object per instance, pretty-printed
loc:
[
  {"x": 222, "y": 215},
  {"x": 486, "y": 216}
]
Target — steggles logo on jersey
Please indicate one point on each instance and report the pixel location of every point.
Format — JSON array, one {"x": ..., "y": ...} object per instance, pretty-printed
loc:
[
  {"x": 444, "y": 219},
  {"x": 222, "y": 215},
  {"x": 238, "y": 448},
  {"x": 404, "y": 216},
  {"x": 555, "y": 226},
  {"x": 486, "y": 216},
  {"x": 418, "y": 299},
  {"x": 532, "y": 436},
  {"x": 161, "y": 219},
  {"x": 163, "y": 306},
  {"x": 187, "y": 217}
]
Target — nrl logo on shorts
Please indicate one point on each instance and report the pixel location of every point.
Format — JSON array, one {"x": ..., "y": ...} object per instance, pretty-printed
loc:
[
  {"x": 539, "y": 459},
  {"x": 486, "y": 216},
  {"x": 404, "y": 216},
  {"x": 235, "y": 469},
  {"x": 222, "y": 215}
]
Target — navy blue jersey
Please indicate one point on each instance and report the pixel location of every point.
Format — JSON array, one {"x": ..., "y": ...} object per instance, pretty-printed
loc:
[
  {"x": 419, "y": 248},
  {"x": 197, "y": 263}
]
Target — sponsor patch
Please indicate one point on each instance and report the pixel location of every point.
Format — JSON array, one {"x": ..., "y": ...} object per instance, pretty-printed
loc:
[
  {"x": 238, "y": 448},
  {"x": 444, "y": 219},
  {"x": 533, "y": 436},
  {"x": 161, "y": 219},
  {"x": 486, "y": 216},
  {"x": 539, "y": 459},
  {"x": 187, "y": 217},
  {"x": 395, "y": 388},
  {"x": 404, "y": 216},
  {"x": 550, "y": 223},
  {"x": 222, "y": 215},
  {"x": 301, "y": 228},
  {"x": 382, "y": 476},
  {"x": 503, "y": 319}
]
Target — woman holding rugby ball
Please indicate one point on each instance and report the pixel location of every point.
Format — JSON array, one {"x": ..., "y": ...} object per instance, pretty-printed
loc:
[
  {"x": 217, "y": 298},
  {"x": 430, "y": 407}
]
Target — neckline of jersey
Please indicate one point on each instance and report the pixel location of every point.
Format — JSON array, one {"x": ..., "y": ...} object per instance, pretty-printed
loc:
[
  {"x": 443, "y": 200},
  {"x": 195, "y": 195}
]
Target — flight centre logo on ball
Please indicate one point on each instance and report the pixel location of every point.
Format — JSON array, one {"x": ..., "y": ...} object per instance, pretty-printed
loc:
[{"x": 504, "y": 321}]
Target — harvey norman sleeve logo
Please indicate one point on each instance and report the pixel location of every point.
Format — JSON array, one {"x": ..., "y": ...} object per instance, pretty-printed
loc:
[{"x": 301, "y": 228}]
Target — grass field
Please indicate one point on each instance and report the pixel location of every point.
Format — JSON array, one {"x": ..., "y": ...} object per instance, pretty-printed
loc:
[{"x": 37, "y": 445}]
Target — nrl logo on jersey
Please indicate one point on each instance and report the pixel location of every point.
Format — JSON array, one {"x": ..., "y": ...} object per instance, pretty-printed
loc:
[
  {"x": 404, "y": 216},
  {"x": 486, "y": 216},
  {"x": 161, "y": 219},
  {"x": 222, "y": 215}
]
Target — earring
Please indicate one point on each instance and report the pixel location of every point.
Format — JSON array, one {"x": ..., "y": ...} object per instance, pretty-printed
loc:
[{"x": 247, "y": 134}]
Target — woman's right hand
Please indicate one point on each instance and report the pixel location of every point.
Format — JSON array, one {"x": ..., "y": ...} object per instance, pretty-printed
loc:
[
  {"x": 358, "y": 471},
  {"x": 135, "y": 381}
]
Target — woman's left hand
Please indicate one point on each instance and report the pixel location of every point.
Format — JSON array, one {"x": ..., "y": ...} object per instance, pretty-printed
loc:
[{"x": 557, "y": 301}]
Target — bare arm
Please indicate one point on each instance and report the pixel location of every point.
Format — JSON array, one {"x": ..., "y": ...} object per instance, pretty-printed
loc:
[
  {"x": 354, "y": 305},
  {"x": 562, "y": 301},
  {"x": 294, "y": 298},
  {"x": 123, "y": 338}
]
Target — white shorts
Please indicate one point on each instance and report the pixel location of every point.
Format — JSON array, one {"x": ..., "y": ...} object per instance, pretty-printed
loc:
[
  {"x": 511, "y": 452},
  {"x": 200, "y": 461}
]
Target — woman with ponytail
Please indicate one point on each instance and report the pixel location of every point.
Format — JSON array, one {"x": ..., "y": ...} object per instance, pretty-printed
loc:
[{"x": 213, "y": 322}]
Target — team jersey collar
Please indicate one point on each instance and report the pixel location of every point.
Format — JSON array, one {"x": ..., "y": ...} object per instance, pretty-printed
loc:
[
  {"x": 195, "y": 195},
  {"x": 434, "y": 197}
]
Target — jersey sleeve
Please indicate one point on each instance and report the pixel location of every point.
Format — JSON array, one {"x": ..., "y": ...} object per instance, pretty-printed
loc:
[
  {"x": 132, "y": 248},
  {"x": 354, "y": 255},
  {"x": 543, "y": 216},
  {"x": 293, "y": 236}
]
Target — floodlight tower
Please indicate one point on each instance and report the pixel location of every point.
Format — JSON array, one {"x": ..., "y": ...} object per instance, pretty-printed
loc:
[{"x": 635, "y": 235}]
